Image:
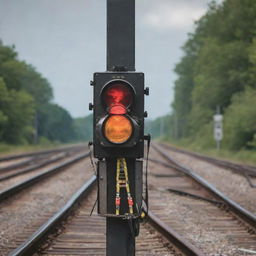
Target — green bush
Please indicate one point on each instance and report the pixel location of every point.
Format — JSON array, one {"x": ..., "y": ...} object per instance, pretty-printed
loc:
[{"x": 240, "y": 120}]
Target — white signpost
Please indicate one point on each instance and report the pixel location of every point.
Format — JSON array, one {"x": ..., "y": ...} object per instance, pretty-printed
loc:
[{"x": 218, "y": 129}]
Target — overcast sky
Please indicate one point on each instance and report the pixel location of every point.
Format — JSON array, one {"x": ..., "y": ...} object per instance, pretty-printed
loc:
[{"x": 65, "y": 40}]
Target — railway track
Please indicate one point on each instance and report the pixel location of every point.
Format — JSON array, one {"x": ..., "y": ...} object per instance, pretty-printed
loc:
[
  {"x": 8, "y": 158},
  {"x": 27, "y": 204},
  {"x": 239, "y": 187},
  {"x": 241, "y": 169},
  {"x": 16, "y": 188},
  {"x": 35, "y": 163},
  {"x": 198, "y": 211},
  {"x": 185, "y": 219},
  {"x": 83, "y": 234},
  {"x": 247, "y": 171}
]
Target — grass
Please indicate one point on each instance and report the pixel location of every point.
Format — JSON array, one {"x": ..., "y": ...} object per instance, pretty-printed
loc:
[{"x": 241, "y": 156}]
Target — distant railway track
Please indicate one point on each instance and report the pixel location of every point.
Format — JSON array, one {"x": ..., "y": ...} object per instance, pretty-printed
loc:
[
  {"x": 241, "y": 169},
  {"x": 10, "y": 191},
  {"x": 41, "y": 152},
  {"x": 36, "y": 162},
  {"x": 248, "y": 171}
]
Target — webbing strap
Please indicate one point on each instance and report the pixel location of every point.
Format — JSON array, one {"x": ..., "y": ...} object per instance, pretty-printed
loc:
[{"x": 122, "y": 181}]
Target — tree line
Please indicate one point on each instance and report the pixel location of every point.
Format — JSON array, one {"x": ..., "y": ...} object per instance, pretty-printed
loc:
[
  {"x": 27, "y": 112},
  {"x": 218, "y": 68}
]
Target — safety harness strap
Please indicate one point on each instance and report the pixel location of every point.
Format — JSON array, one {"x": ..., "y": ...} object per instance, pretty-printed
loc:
[{"x": 122, "y": 181}]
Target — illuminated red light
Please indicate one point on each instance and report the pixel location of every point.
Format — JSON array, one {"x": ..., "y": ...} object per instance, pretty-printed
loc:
[
  {"x": 117, "y": 110},
  {"x": 117, "y": 97}
]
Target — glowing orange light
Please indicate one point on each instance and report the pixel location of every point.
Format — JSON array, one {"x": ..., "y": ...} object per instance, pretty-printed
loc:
[{"x": 118, "y": 129}]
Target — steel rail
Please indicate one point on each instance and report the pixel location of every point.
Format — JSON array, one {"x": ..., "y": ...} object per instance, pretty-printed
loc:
[
  {"x": 36, "y": 158},
  {"x": 238, "y": 168},
  {"x": 33, "y": 167},
  {"x": 32, "y": 243},
  {"x": 244, "y": 214},
  {"x": 16, "y": 156},
  {"x": 38, "y": 237},
  {"x": 183, "y": 245},
  {"x": 25, "y": 184},
  {"x": 17, "y": 165}
]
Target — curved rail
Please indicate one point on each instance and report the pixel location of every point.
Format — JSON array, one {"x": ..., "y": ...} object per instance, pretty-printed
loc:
[{"x": 247, "y": 216}]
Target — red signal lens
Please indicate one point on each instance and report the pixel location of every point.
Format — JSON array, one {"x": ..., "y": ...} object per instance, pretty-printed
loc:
[
  {"x": 117, "y": 110},
  {"x": 117, "y": 97}
]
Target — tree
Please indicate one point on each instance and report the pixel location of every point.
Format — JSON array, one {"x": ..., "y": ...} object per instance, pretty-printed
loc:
[
  {"x": 83, "y": 128},
  {"x": 20, "y": 76},
  {"x": 219, "y": 62},
  {"x": 16, "y": 115},
  {"x": 240, "y": 120},
  {"x": 55, "y": 123}
]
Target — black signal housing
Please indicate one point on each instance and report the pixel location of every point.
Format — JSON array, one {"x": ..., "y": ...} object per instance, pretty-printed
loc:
[{"x": 131, "y": 100}]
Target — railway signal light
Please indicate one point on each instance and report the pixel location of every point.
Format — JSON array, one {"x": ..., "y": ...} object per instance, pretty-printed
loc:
[
  {"x": 118, "y": 121},
  {"x": 117, "y": 129}
]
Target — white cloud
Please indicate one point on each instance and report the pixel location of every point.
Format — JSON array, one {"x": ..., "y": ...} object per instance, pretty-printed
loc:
[{"x": 172, "y": 15}]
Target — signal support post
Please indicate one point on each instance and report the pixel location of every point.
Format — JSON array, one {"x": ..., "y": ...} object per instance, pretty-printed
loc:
[{"x": 118, "y": 137}]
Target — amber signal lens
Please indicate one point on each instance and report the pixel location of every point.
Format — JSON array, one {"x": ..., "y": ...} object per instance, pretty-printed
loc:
[{"x": 118, "y": 129}]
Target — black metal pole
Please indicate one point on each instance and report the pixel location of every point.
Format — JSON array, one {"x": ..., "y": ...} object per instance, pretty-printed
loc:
[
  {"x": 121, "y": 35},
  {"x": 120, "y": 57},
  {"x": 120, "y": 238}
]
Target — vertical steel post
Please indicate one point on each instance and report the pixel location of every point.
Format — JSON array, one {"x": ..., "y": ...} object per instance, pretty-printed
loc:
[
  {"x": 121, "y": 35},
  {"x": 120, "y": 232},
  {"x": 120, "y": 57},
  {"x": 120, "y": 240}
]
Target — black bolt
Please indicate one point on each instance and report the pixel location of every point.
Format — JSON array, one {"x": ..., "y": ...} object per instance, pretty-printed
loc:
[
  {"x": 92, "y": 83},
  {"x": 90, "y": 106},
  {"x": 146, "y": 91},
  {"x": 145, "y": 114}
]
